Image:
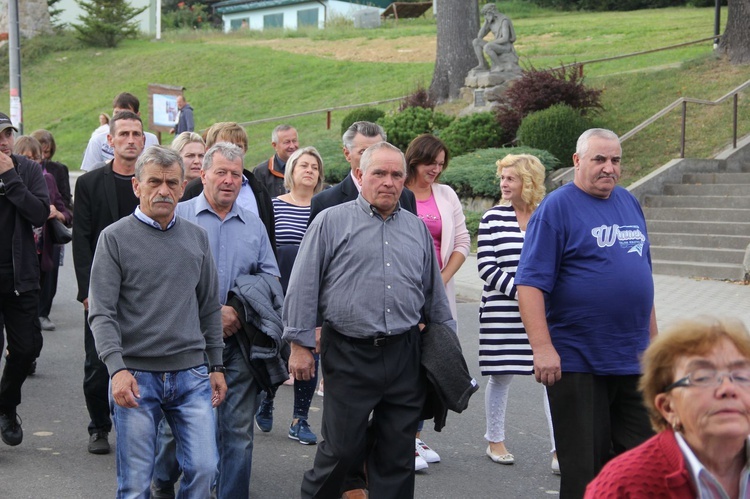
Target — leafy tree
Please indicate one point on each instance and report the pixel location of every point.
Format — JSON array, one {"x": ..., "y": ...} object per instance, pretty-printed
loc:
[{"x": 107, "y": 22}]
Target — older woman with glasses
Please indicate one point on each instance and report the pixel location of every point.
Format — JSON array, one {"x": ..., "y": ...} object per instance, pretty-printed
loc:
[{"x": 696, "y": 387}]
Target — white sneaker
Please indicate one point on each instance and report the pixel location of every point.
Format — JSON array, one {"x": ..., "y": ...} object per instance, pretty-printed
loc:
[
  {"x": 419, "y": 462},
  {"x": 555, "y": 466},
  {"x": 429, "y": 455}
]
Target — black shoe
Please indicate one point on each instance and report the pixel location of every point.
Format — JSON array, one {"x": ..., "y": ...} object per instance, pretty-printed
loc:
[
  {"x": 32, "y": 369},
  {"x": 98, "y": 443},
  {"x": 10, "y": 428}
]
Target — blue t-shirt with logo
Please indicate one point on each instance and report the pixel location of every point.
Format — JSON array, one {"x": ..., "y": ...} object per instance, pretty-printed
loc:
[{"x": 591, "y": 259}]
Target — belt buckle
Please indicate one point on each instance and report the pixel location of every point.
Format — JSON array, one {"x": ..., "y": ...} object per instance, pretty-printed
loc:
[{"x": 380, "y": 341}]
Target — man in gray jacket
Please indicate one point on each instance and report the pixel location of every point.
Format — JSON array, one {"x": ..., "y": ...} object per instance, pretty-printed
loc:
[{"x": 155, "y": 320}]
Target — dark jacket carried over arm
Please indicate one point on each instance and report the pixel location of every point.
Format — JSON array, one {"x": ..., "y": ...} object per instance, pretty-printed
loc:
[
  {"x": 26, "y": 189},
  {"x": 449, "y": 383},
  {"x": 258, "y": 300}
]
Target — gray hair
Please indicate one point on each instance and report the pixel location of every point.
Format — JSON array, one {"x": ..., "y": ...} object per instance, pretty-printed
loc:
[
  {"x": 582, "y": 146},
  {"x": 160, "y": 156},
  {"x": 230, "y": 151},
  {"x": 280, "y": 128},
  {"x": 291, "y": 164},
  {"x": 365, "y": 128},
  {"x": 185, "y": 138},
  {"x": 364, "y": 163}
]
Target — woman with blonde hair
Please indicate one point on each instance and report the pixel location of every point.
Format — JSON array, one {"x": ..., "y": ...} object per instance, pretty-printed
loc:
[
  {"x": 504, "y": 349},
  {"x": 192, "y": 149}
]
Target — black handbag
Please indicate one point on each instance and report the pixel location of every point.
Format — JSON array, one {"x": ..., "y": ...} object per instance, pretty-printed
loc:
[{"x": 58, "y": 233}]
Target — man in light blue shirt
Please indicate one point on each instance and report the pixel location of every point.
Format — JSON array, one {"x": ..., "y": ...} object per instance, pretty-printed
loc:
[{"x": 240, "y": 246}]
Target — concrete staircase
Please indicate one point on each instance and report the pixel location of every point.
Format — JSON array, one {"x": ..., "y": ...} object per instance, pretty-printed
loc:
[{"x": 698, "y": 218}]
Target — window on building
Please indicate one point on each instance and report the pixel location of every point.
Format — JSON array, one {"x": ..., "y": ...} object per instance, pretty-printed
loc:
[
  {"x": 273, "y": 21},
  {"x": 236, "y": 24},
  {"x": 307, "y": 17}
]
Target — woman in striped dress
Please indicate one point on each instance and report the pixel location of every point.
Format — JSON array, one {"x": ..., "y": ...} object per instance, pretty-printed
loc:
[
  {"x": 303, "y": 177},
  {"x": 503, "y": 345}
]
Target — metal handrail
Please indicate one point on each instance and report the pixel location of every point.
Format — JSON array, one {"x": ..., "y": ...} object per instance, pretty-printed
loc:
[{"x": 683, "y": 101}]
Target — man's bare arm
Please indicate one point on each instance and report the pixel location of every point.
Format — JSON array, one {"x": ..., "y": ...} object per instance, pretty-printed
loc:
[{"x": 546, "y": 360}]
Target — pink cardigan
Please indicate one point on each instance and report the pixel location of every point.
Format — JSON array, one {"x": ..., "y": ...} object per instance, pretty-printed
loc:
[{"x": 455, "y": 236}]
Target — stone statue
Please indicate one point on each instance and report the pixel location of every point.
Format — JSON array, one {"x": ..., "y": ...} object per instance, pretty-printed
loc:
[{"x": 500, "y": 50}]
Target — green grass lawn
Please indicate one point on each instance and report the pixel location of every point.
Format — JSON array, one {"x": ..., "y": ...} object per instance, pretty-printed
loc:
[{"x": 228, "y": 78}]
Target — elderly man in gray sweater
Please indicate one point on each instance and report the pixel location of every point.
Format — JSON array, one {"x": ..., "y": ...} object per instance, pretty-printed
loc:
[{"x": 156, "y": 318}]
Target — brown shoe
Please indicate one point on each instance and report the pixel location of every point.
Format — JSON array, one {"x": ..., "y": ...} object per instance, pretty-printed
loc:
[{"x": 355, "y": 494}]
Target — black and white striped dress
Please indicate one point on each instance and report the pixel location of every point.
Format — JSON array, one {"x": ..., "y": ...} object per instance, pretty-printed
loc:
[{"x": 503, "y": 344}]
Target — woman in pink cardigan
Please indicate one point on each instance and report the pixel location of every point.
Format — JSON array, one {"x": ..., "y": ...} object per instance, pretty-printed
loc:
[
  {"x": 440, "y": 209},
  {"x": 696, "y": 387}
]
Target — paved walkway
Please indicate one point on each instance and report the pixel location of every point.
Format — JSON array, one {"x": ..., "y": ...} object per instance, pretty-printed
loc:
[{"x": 676, "y": 297}]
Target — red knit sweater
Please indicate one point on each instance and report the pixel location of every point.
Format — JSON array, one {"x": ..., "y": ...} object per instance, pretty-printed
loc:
[{"x": 654, "y": 469}]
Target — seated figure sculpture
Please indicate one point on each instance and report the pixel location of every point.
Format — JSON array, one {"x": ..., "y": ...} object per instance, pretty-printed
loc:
[{"x": 502, "y": 28}]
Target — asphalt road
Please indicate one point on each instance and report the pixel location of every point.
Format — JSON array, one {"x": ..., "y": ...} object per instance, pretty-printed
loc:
[{"x": 52, "y": 461}]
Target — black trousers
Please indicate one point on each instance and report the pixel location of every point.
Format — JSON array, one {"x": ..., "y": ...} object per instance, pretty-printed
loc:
[
  {"x": 19, "y": 314},
  {"x": 362, "y": 379},
  {"x": 48, "y": 282},
  {"x": 95, "y": 384},
  {"x": 595, "y": 418}
]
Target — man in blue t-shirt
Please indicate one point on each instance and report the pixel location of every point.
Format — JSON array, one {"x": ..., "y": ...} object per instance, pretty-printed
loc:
[{"x": 586, "y": 296}]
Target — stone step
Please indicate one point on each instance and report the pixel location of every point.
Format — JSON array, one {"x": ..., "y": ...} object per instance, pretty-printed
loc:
[
  {"x": 690, "y": 269},
  {"x": 699, "y": 240},
  {"x": 689, "y": 227},
  {"x": 707, "y": 189},
  {"x": 716, "y": 178},
  {"x": 737, "y": 202},
  {"x": 698, "y": 255},
  {"x": 715, "y": 215}
]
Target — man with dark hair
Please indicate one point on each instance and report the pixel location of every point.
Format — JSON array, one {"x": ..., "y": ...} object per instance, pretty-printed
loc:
[
  {"x": 270, "y": 173},
  {"x": 161, "y": 359},
  {"x": 102, "y": 197},
  {"x": 24, "y": 202},
  {"x": 99, "y": 151}
]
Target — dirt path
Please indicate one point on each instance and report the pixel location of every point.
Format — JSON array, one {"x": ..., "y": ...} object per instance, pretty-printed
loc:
[{"x": 404, "y": 49}]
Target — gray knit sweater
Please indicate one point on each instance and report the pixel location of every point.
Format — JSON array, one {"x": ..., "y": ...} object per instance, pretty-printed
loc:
[{"x": 154, "y": 298}]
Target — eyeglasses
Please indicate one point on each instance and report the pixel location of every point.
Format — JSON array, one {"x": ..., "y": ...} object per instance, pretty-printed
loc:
[{"x": 711, "y": 377}]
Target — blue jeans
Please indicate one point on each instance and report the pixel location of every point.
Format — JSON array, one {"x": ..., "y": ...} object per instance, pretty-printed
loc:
[
  {"x": 184, "y": 398},
  {"x": 235, "y": 425}
]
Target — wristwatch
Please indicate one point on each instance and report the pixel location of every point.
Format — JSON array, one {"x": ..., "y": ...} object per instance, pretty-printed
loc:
[{"x": 218, "y": 369}]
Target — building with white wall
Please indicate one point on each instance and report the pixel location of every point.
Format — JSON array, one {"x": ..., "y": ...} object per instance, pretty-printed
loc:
[{"x": 289, "y": 14}]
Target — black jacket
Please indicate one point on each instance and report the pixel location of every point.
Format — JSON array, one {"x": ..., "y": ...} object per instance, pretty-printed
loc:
[
  {"x": 95, "y": 208},
  {"x": 346, "y": 191},
  {"x": 26, "y": 190},
  {"x": 265, "y": 206},
  {"x": 273, "y": 184}
]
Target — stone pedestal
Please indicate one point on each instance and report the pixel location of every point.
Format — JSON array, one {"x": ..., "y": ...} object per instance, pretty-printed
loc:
[{"x": 483, "y": 88}]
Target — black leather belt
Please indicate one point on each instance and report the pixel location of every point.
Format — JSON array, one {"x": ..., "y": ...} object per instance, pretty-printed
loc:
[{"x": 377, "y": 341}]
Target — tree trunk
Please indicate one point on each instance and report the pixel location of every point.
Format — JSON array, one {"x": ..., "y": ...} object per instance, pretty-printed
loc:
[
  {"x": 457, "y": 26},
  {"x": 735, "y": 42}
]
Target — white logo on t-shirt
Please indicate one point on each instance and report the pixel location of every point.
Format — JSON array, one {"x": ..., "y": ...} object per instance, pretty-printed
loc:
[{"x": 629, "y": 236}]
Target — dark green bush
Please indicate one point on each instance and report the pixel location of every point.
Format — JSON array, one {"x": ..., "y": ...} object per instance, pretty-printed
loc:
[
  {"x": 476, "y": 131},
  {"x": 405, "y": 126},
  {"x": 472, "y": 222},
  {"x": 362, "y": 114},
  {"x": 335, "y": 166},
  {"x": 555, "y": 129},
  {"x": 474, "y": 174}
]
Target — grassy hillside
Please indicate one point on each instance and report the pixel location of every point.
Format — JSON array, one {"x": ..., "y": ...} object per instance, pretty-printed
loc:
[{"x": 248, "y": 76}]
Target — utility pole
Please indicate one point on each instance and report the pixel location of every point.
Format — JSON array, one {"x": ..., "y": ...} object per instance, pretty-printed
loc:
[{"x": 14, "y": 54}]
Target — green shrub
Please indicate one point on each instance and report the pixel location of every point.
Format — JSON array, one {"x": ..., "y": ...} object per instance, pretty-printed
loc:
[
  {"x": 362, "y": 114},
  {"x": 405, "y": 126},
  {"x": 472, "y": 222},
  {"x": 335, "y": 166},
  {"x": 107, "y": 22},
  {"x": 475, "y": 174},
  {"x": 476, "y": 131},
  {"x": 193, "y": 16},
  {"x": 555, "y": 129}
]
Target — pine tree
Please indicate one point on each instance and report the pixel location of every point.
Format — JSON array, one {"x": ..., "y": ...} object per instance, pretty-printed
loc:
[{"x": 107, "y": 22}]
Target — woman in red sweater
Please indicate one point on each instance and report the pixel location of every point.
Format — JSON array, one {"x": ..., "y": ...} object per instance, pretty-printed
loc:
[{"x": 696, "y": 386}]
